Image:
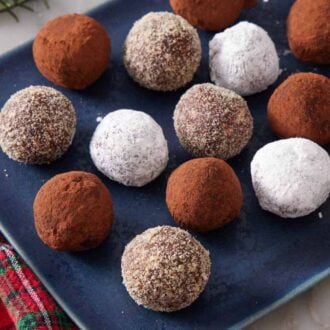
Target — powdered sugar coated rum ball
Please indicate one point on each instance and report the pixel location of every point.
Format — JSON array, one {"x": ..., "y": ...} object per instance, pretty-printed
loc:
[
  {"x": 129, "y": 147},
  {"x": 243, "y": 58},
  {"x": 291, "y": 177}
]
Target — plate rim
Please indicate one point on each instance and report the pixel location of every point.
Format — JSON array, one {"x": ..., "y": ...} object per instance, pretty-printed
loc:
[{"x": 312, "y": 281}]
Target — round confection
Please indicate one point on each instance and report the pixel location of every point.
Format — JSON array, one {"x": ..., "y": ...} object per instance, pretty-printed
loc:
[
  {"x": 243, "y": 58},
  {"x": 162, "y": 51},
  {"x": 37, "y": 125},
  {"x": 309, "y": 32},
  {"x": 300, "y": 106},
  {"x": 165, "y": 269},
  {"x": 204, "y": 194},
  {"x": 212, "y": 121},
  {"x": 129, "y": 147},
  {"x": 212, "y": 15},
  {"x": 73, "y": 211},
  {"x": 291, "y": 177},
  {"x": 72, "y": 51}
]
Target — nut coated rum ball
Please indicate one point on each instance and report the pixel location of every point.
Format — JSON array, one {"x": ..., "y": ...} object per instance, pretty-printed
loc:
[
  {"x": 165, "y": 269},
  {"x": 212, "y": 121},
  {"x": 37, "y": 125},
  {"x": 162, "y": 51}
]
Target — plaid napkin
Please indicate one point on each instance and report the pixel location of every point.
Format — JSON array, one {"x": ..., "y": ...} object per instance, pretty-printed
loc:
[{"x": 24, "y": 303}]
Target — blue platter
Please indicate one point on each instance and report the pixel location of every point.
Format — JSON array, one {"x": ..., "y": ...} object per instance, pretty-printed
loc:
[{"x": 259, "y": 260}]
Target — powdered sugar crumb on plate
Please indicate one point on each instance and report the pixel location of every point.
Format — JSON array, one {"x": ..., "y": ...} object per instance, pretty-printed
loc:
[{"x": 287, "y": 52}]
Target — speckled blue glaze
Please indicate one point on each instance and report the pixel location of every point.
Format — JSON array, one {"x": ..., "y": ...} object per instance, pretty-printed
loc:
[{"x": 257, "y": 260}]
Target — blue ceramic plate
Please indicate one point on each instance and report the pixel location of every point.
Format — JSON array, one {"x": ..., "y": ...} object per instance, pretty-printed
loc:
[{"x": 258, "y": 261}]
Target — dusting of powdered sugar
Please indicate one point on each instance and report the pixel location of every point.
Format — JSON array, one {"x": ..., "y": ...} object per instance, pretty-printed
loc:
[
  {"x": 129, "y": 147},
  {"x": 291, "y": 177},
  {"x": 243, "y": 58}
]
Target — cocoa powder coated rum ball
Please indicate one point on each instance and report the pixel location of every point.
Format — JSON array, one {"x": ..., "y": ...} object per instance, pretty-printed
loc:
[
  {"x": 212, "y": 121},
  {"x": 213, "y": 15},
  {"x": 204, "y": 194},
  {"x": 73, "y": 211},
  {"x": 162, "y": 51},
  {"x": 165, "y": 269},
  {"x": 37, "y": 125},
  {"x": 72, "y": 51},
  {"x": 309, "y": 30},
  {"x": 300, "y": 106}
]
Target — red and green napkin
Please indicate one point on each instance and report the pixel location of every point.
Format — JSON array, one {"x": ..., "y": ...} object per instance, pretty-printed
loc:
[{"x": 24, "y": 302}]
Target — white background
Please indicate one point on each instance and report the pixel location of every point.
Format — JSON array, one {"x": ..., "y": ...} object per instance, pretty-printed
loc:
[{"x": 309, "y": 311}]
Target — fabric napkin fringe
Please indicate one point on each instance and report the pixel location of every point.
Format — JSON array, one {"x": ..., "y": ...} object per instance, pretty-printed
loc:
[{"x": 27, "y": 303}]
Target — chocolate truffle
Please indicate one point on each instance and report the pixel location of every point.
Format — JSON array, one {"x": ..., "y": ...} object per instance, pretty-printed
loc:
[
  {"x": 291, "y": 177},
  {"x": 213, "y": 15},
  {"x": 300, "y": 106},
  {"x": 73, "y": 212},
  {"x": 309, "y": 32},
  {"x": 72, "y": 51},
  {"x": 243, "y": 58},
  {"x": 162, "y": 51},
  {"x": 204, "y": 194},
  {"x": 37, "y": 125},
  {"x": 212, "y": 121},
  {"x": 129, "y": 147},
  {"x": 165, "y": 269}
]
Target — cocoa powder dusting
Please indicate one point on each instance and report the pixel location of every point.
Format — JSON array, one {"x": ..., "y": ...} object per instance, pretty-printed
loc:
[
  {"x": 300, "y": 106},
  {"x": 73, "y": 211},
  {"x": 309, "y": 30},
  {"x": 72, "y": 51},
  {"x": 213, "y": 15},
  {"x": 204, "y": 194}
]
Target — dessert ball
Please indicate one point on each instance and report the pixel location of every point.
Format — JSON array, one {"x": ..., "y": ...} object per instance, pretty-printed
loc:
[
  {"x": 212, "y": 121},
  {"x": 204, "y": 194},
  {"x": 165, "y": 269},
  {"x": 309, "y": 32},
  {"x": 162, "y": 51},
  {"x": 300, "y": 106},
  {"x": 243, "y": 58},
  {"x": 72, "y": 51},
  {"x": 73, "y": 211},
  {"x": 129, "y": 147},
  {"x": 213, "y": 15},
  {"x": 291, "y": 177},
  {"x": 37, "y": 125}
]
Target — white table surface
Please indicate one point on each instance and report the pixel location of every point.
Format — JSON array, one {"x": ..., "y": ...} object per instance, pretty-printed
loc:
[{"x": 310, "y": 310}]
